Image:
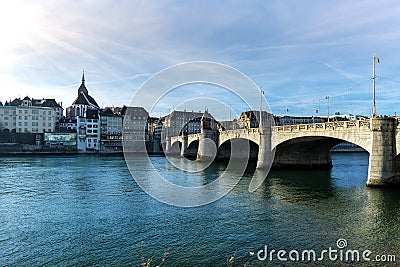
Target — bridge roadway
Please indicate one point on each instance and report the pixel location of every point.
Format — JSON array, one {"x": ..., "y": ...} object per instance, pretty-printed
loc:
[{"x": 307, "y": 145}]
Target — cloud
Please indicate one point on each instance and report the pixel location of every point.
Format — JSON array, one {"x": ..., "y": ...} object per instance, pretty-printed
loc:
[{"x": 296, "y": 50}]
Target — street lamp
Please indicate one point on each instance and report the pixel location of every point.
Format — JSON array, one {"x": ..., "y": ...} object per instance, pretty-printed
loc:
[
  {"x": 261, "y": 100},
  {"x": 376, "y": 60},
  {"x": 329, "y": 105}
]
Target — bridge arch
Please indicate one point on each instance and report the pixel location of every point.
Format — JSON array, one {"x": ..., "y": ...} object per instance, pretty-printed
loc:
[
  {"x": 305, "y": 152},
  {"x": 243, "y": 145},
  {"x": 361, "y": 138},
  {"x": 192, "y": 148},
  {"x": 175, "y": 147}
]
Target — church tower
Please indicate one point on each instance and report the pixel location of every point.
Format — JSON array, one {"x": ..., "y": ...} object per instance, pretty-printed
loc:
[{"x": 83, "y": 102}]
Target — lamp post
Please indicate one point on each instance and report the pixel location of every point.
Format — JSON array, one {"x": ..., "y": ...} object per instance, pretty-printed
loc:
[
  {"x": 329, "y": 105},
  {"x": 261, "y": 97},
  {"x": 375, "y": 60}
]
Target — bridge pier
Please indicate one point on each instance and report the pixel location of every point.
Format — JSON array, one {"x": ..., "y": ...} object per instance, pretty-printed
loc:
[
  {"x": 184, "y": 146},
  {"x": 167, "y": 146},
  {"x": 207, "y": 145},
  {"x": 265, "y": 153},
  {"x": 382, "y": 165}
]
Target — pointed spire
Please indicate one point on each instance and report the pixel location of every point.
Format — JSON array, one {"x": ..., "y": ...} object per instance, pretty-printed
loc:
[
  {"x": 83, "y": 76},
  {"x": 82, "y": 88}
]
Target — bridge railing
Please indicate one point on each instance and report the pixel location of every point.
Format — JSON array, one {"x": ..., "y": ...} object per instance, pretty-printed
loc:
[
  {"x": 334, "y": 125},
  {"x": 240, "y": 131}
]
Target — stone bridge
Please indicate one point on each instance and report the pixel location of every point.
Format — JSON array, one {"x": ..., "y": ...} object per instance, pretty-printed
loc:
[{"x": 307, "y": 145}]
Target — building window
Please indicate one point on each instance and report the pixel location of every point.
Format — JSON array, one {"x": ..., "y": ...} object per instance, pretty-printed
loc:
[
  {"x": 26, "y": 117},
  {"x": 6, "y": 124},
  {"x": 26, "y": 123},
  {"x": 49, "y": 112},
  {"x": 35, "y": 123},
  {"x": 49, "y": 124},
  {"x": 35, "y": 111},
  {"x": 19, "y": 123},
  {"x": 20, "y": 111},
  {"x": 20, "y": 117},
  {"x": 26, "y": 111},
  {"x": 35, "y": 118},
  {"x": 6, "y": 118},
  {"x": 44, "y": 124}
]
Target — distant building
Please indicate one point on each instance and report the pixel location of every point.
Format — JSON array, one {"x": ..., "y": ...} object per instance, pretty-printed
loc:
[
  {"x": 48, "y": 103},
  {"x": 250, "y": 119},
  {"x": 27, "y": 119},
  {"x": 51, "y": 103},
  {"x": 135, "y": 129},
  {"x": 88, "y": 130},
  {"x": 110, "y": 131},
  {"x": 67, "y": 125},
  {"x": 151, "y": 126},
  {"x": 287, "y": 120},
  {"x": 177, "y": 121},
  {"x": 230, "y": 125}
]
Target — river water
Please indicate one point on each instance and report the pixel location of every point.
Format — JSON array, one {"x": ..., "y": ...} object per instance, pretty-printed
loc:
[{"x": 87, "y": 210}]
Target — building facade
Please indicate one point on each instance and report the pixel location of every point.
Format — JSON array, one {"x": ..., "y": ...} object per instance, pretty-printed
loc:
[
  {"x": 88, "y": 131},
  {"x": 110, "y": 131},
  {"x": 177, "y": 121},
  {"x": 27, "y": 119},
  {"x": 135, "y": 129},
  {"x": 67, "y": 125}
]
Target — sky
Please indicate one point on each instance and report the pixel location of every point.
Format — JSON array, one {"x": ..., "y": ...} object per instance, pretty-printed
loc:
[{"x": 299, "y": 52}]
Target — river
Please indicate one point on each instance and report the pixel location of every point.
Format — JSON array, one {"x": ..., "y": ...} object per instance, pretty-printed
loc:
[{"x": 88, "y": 211}]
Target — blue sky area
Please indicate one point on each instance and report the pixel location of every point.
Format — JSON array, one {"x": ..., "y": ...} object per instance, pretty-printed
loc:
[{"x": 298, "y": 51}]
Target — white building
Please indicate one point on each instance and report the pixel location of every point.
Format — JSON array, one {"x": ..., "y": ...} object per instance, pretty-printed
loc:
[
  {"x": 27, "y": 119},
  {"x": 88, "y": 130}
]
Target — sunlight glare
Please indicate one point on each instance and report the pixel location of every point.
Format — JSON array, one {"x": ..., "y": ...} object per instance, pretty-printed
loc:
[{"x": 17, "y": 22}]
